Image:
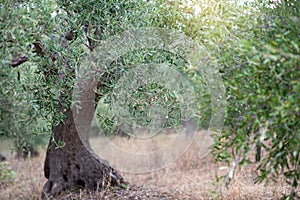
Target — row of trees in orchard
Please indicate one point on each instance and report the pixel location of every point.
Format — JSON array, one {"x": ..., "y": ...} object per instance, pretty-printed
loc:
[{"x": 255, "y": 46}]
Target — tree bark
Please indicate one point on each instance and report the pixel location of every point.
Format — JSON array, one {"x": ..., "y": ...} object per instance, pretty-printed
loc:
[
  {"x": 70, "y": 163},
  {"x": 70, "y": 160}
]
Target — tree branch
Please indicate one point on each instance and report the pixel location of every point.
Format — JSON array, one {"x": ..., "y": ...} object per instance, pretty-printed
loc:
[
  {"x": 38, "y": 48},
  {"x": 18, "y": 61}
]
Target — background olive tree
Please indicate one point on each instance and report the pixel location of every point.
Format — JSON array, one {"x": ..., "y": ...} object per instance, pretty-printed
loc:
[
  {"x": 21, "y": 116},
  {"x": 260, "y": 68},
  {"x": 256, "y": 45}
]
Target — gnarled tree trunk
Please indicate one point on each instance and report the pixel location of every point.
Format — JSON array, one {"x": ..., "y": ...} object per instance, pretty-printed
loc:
[
  {"x": 69, "y": 158},
  {"x": 70, "y": 162}
]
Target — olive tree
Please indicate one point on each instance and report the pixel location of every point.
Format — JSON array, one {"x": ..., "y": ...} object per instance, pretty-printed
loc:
[
  {"x": 53, "y": 38},
  {"x": 261, "y": 71}
]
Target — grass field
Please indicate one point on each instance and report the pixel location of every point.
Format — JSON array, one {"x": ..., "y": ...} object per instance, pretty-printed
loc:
[{"x": 192, "y": 176}]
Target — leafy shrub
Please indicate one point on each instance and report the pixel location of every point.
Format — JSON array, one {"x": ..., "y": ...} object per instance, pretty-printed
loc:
[{"x": 7, "y": 175}]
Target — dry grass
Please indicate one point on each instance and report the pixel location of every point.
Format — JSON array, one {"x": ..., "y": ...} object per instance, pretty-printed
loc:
[
  {"x": 190, "y": 177},
  {"x": 29, "y": 180},
  {"x": 195, "y": 174}
]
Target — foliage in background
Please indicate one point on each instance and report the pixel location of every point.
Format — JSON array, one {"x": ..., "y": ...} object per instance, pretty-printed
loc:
[
  {"x": 256, "y": 45},
  {"x": 21, "y": 119},
  {"x": 261, "y": 74}
]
